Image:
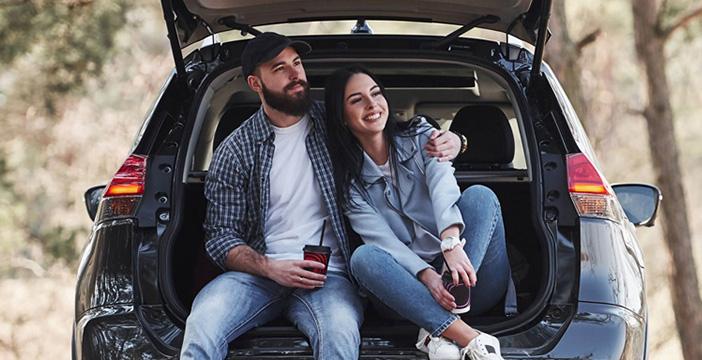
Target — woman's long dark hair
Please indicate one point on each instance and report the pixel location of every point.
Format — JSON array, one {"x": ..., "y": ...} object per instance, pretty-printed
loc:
[{"x": 345, "y": 150}]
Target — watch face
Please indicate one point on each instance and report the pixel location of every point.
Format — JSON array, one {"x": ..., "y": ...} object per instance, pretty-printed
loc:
[{"x": 450, "y": 243}]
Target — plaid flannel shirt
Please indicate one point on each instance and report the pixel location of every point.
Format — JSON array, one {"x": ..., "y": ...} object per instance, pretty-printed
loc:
[{"x": 237, "y": 186}]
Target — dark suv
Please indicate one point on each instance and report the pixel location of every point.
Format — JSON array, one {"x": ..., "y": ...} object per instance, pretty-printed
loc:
[{"x": 576, "y": 264}]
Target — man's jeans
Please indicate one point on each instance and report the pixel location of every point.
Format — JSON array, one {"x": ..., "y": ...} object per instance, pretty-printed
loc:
[
  {"x": 381, "y": 275},
  {"x": 236, "y": 302}
]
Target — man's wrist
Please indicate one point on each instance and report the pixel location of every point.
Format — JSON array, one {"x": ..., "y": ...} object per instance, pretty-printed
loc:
[
  {"x": 265, "y": 266},
  {"x": 464, "y": 143}
]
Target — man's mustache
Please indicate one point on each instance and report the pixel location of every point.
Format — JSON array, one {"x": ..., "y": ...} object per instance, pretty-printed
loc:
[{"x": 302, "y": 83}]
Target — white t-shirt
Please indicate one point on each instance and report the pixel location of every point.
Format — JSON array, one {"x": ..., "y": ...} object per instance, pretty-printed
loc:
[{"x": 296, "y": 210}]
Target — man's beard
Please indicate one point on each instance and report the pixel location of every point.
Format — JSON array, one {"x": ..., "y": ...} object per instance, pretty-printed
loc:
[{"x": 297, "y": 104}]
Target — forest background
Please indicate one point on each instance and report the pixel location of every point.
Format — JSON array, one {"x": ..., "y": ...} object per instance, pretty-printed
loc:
[{"x": 78, "y": 76}]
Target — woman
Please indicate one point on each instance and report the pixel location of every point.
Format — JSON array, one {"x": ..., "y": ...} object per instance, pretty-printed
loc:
[{"x": 407, "y": 207}]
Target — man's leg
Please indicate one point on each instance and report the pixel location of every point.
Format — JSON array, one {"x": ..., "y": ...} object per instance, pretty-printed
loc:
[
  {"x": 227, "y": 307},
  {"x": 330, "y": 317},
  {"x": 485, "y": 246}
]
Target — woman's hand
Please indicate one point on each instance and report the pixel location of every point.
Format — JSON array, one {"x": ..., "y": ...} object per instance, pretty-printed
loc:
[
  {"x": 460, "y": 266},
  {"x": 433, "y": 282}
]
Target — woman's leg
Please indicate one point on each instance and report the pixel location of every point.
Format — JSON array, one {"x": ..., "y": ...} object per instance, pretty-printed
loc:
[
  {"x": 485, "y": 245},
  {"x": 379, "y": 273}
]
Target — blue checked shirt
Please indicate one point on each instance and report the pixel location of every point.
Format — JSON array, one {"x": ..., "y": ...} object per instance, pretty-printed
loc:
[{"x": 237, "y": 186}]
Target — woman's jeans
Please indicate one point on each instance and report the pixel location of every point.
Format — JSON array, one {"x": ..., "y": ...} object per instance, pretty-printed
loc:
[
  {"x": 235, "y": 302},
  {"x": 380, "y": 274}
]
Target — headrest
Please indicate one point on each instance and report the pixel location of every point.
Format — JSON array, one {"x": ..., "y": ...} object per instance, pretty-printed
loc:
[
  {"x": 490, "y": 138},
  {"x": 231, "y": 118}
]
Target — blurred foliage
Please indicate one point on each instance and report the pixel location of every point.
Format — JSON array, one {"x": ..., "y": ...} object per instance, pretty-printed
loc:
[
  {"x": 68, "y": 41},
  {"x": 52, "y": 51}
]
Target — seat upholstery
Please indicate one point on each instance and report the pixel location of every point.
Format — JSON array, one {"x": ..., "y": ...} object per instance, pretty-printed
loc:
[
  {"x": 490, "y": 138},
  {"x": 232, "y": 117}
]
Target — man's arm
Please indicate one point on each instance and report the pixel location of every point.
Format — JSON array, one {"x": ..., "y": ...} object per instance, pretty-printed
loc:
[
  {"x": 226, "y": 223},
  {"x": 443, "y": 145},
  {"x": 289, "y": 273}
]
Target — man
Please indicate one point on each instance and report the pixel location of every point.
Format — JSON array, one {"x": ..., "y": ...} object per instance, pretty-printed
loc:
[{"x": 270, "y": 192}]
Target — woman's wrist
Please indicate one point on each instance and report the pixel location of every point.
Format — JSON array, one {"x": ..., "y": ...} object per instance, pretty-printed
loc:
[
  {"x": 426, "y": 274},
  {"x": 452, "y": 230},
  {"x": 450, "y": 243}
]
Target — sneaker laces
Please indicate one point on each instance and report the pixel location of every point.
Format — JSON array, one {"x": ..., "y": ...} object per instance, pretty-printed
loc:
[{"x": 483, "y": 347}]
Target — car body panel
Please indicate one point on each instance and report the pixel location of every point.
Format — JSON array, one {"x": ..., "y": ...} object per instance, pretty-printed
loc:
[
  {"x": 611, "y": 267},
  {"x": 113, "y": 332},
  {"x": 105, "y": 273},
  {"x": 597, "y": 331}
]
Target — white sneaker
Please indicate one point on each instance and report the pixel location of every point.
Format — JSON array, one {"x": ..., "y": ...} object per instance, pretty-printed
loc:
[
  {"x": 483, "y": 347},
  {"x": 438, "y": 348}
]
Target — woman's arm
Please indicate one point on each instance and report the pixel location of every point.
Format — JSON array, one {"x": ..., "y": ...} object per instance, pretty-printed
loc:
[
  {"x": 444, "y": 194},
  {"x": 374, "y": 230},
  {"x": 453, "y": 230},
  {"x": 443, "y": 188}
]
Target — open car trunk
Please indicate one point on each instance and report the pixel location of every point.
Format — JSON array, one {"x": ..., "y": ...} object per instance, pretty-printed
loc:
[
  {"x": 194, "y": 270},
  {"x": 434, "y": 87}
]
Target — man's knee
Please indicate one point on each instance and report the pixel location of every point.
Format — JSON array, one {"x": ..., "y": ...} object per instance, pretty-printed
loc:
[
  {"x": 203, "y": 339},
  {"x": 340, "y": 336}
]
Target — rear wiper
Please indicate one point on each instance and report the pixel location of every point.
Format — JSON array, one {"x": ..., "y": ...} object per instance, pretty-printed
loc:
[
  {"x": 230, "y": 22},
  {"x": 450, "y": 38}
]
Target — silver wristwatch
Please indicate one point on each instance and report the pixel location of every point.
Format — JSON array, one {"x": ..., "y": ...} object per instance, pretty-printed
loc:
[{"x": 450, "y": 243}]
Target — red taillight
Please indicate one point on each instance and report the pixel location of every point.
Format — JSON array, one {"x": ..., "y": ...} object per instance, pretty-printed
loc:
[
  {"x": 589, "y": 191},
  {"x": 125, "y": 191},
  {"x": 129, "y": 179},
  {"x": 583, "y": 177}
]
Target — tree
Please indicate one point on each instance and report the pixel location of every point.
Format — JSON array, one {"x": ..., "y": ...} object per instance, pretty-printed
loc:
[
  {"x": 49, "y": 50},
  {"x": 653, "y": 27},
  {"x": 67, "y": 41},
  {"x": 563, "y": 55}
]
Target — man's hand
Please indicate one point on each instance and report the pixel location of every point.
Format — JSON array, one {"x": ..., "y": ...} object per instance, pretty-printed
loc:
[
  {"x": 443, "y": 145},
  {"x": 292, "y": 273},
  {"x": 461, "y": 268},
  {"x": 289, "y": 273},
  {"x": 433, "y": 282}
]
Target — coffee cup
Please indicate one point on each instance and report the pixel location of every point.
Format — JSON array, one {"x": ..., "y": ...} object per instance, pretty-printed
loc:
[
  {"x": 460, "y": 292},
  {"x": 319, "y": 254}
]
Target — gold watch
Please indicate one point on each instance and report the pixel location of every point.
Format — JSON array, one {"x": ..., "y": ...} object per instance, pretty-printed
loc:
[{"x": 464, "y": 143}]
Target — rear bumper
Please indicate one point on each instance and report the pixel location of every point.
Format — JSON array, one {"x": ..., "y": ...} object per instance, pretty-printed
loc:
[
  {"x": 120, "y": 332},
  {"x": 597, "y": 331}
]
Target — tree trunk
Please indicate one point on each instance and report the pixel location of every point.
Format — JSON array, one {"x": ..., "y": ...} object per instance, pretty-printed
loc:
[
  {"x": 687, "y": 305},
  {"x": 562, "y": 54}
]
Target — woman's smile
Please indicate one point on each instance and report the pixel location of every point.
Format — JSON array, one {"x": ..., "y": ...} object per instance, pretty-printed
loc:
[
  {"x": 372, "y": 116},
  {"x": 365, "y": 106}
]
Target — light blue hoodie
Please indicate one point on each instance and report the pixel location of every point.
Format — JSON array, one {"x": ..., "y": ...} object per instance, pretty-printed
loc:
[{"x": 406, "y": 221}]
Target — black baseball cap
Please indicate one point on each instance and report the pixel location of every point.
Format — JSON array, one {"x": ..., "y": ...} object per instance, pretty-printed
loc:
[{"x": 266, "y": 46}]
